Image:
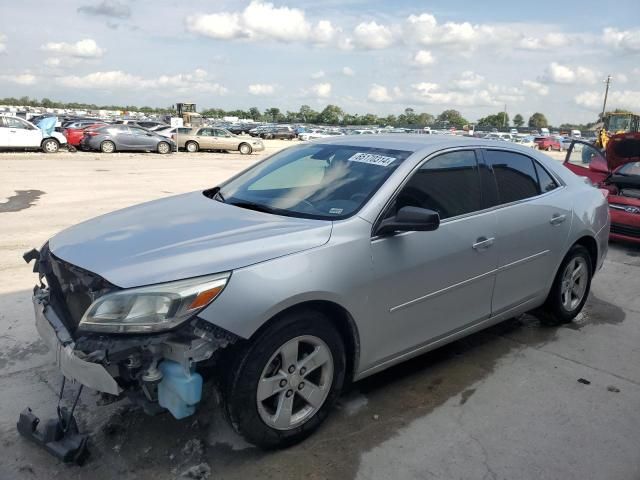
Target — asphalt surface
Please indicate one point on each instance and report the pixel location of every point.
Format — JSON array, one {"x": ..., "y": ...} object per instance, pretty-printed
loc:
[{"x": 516, "y": 401}]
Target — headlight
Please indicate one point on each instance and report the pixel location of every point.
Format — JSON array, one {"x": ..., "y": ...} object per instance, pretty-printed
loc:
[{"x": 154, "y": 308}]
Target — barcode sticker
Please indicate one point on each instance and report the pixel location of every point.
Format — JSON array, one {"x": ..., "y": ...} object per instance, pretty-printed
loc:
[{"x": 372, "y": 159}]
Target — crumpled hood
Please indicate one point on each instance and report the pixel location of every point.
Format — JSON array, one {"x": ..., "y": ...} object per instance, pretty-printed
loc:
[
  {"x": 622, "y": 148},
  {"x": 181, "y": 237}
]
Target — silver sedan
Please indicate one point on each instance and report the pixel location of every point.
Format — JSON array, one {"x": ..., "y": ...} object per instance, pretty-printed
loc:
[{"x": 323, "y": 264}]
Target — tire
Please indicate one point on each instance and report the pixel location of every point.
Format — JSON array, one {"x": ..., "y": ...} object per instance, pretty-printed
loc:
[
  {"x": 245, "y": 149},
  {"x": 192, "y": 147},
  {"x": 548, "y": 148},
  {"x": 560, "y": 306},
  {"x": 258, "y": 421},
  {"x": 107, "y": 146},
  {"x": 50, "y": 145},
  {"x": 163, "y": 148}
]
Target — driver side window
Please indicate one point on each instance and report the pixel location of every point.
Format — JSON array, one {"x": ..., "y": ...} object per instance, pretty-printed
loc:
[
  {"x": 582, "y": 154},
  {"x": 16, "y": 123},
  {"x": 448, "y": 184}
]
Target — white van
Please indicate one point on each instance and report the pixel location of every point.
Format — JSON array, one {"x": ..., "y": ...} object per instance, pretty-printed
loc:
[
  {"x": 576, "y": 134},
  {"x": 544, "y": 132}
]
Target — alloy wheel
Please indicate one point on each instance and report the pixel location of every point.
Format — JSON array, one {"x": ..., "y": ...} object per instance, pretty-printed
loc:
[
  {"x": 574, "y": 283},
  {"x": 295, "y": 382}
]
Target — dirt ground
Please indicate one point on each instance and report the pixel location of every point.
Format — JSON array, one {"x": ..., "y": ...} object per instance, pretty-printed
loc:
[{"x": 517, "y": 401}]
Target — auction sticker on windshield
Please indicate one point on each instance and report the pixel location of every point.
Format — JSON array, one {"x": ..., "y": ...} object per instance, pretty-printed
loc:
[{"x": 372, "y": 159}]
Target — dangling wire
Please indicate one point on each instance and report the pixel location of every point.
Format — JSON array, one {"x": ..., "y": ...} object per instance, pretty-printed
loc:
[{"x": 65, "y": 422}]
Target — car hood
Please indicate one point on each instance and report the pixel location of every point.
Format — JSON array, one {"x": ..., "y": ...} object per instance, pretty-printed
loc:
[
  {"x": 181, "y": 237},
  {"x": 622, "y": 148}
]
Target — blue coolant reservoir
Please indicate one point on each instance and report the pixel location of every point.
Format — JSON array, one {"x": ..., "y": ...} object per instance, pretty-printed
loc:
[{"x": 179, "y": 392}]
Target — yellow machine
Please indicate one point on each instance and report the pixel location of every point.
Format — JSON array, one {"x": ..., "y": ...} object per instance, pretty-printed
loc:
[
  {"x": 617, "y": 123},
  {"x": 187, "y": 111}
]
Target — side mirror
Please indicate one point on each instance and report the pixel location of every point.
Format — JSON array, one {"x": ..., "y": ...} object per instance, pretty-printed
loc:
[{"x": 410, "y": 219}]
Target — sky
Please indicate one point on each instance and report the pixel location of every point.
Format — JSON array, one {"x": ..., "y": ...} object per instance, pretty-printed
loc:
[{"x": 368, "y": 56}]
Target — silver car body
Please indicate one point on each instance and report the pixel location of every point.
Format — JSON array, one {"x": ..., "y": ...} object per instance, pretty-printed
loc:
[
  {"x": 401, "y": 295},
  {"x": 126, "y": 138}
]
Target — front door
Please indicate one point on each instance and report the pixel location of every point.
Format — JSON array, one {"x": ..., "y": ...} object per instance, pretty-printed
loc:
[
  {"x": 533, "y": 223},
  {"x": 142, "y": 139},
  {"x": 21, "y": 134},
  {"x": 430, "y": 284},
  {"x": 587, "y": 161}
]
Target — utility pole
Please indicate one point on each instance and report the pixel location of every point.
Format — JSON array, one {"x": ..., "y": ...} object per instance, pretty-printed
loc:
[
  {"x": 606, "y": 94},
  {"x": 504, "y": 117}
]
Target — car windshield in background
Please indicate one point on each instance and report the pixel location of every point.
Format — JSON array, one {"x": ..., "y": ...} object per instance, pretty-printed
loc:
[{"x": 314, "y": 181}]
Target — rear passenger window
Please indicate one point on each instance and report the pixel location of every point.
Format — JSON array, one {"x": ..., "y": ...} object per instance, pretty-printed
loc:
[
  {"x": 547, "y": 183},
  {"x": 448, "y": 184},
  {"x": 515, "y": 175}
]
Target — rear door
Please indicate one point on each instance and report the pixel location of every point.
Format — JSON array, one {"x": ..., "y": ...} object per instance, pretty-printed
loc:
[{"x": 533, "y": 215}]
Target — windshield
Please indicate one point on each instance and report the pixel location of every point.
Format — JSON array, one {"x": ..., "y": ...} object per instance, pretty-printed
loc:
[
  {"x": 314, "y": 181},
  {"x": 619, "y": 122},
  {"x": 630, "y": 169}
]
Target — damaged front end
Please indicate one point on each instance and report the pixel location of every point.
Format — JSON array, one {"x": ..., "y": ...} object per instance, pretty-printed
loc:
[{"x": 144, "y": 343}]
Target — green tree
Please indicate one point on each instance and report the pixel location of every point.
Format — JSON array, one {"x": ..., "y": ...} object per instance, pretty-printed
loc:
[
  {"x": 518, "y": 121},
  {"x": 497, "y": 120},
  {"x": 332, "y": 114},
  {"x": 538, "y": 120},
  {"x": 254, "y": 113},
  {"x": 390, "y": 120},
  {"x": 307, "y": 114},
  {"x": 451, "y": 118},
  {"x": 424, "y": 119},
  {"x": 369, "y": 119},
  {"x": 273, "y": 113}
]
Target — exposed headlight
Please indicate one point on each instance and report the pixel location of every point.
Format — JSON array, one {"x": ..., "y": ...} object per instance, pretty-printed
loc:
[{"x": 154, "y": 308}]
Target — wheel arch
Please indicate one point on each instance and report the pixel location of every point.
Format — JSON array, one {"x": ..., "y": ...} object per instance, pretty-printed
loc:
[
  {"x": 339, "y": 317},
  {"x": 591, "y": 245}
]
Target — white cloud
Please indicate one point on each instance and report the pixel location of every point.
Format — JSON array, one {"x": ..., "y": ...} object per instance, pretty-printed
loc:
[
  {"x": 20, "y": 79},
  {"x": 469, "y": 80},
  {"x": 3, "y": 42},
  {"x": 622, "y": 39},
  {"x": 432, "y": 94},
  {"x": 321, "y": 90},
  {"x": 379, "y": 93},
  {"x": 536, "y": 87},
  {"x": 565, "y": 74},
  {"x": 262, "y": 20},
  {"x": 422, "y": 58},
  {"x": 317, "y": 75},
  {"x": 425, "y": 29},
  {"x": 621, "y": 78},
  {"x": 548, "y": 41},
  {"x": 87, "y": 48},
  {"x": 348, "y": 71},
  {"x": 371, "y": 35},
  {"x": 261, "y": 89},
  {"x": 119, "y": 80},
  {"x": 617, "y": 99}
]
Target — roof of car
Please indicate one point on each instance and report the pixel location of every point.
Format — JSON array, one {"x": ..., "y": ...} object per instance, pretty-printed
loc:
[{"x": 408, "y": 142}]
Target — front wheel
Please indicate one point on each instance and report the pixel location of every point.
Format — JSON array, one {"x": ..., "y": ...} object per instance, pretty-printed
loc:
[
  {"x": 50, "y": 145},
  {"x": 284, "y": 383},
  {"x": 164, "y": 148},
  {"x": 570, "y": 288},
  {"x": 245, "y": 149}
]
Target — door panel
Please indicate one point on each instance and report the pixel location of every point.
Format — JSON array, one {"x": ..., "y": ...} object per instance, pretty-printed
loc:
[
  {"x": 585, "y": 160},
  {"x": 432, "y": 283},
  {"x": 22, "y": 135},
  {"x": 429, "y": 284}
]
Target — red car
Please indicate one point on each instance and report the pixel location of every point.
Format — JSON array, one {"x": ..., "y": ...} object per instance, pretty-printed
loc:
[
  {"x": 548, "y": 143},
  {"x": 618, "y": 172},
  {"x": 75, "y": 134}
]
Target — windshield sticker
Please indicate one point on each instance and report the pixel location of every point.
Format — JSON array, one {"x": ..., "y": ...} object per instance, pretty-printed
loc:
[
  {"x": 372, "y": 159},
  {"x": 336, "y": 211}
]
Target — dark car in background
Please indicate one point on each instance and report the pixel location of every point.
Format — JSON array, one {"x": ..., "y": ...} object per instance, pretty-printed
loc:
[
  {"x": 112, "y": 138},
  {"x": 280, "y": 133}
]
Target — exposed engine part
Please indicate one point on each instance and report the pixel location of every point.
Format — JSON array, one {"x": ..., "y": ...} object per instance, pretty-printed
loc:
[
  {"x": 133, "y": 361},
  {"x": 186, "y": 353}
]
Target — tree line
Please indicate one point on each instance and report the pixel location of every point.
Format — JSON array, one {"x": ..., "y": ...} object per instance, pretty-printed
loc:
[{"x": 330, "y": 115}]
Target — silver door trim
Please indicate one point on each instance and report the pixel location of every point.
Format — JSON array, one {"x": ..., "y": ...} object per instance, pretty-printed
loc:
[
  {"x": 468, "y": 280},
  {"x": 441, "y": 291}
]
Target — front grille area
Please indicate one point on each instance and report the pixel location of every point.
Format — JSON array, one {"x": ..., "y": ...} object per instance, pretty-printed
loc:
[
  {"x": 72, "y": 290},
  {"x": 625, "y": 230}
]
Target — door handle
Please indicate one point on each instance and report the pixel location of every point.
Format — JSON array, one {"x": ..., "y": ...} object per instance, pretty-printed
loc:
[
  {"x": 12, "y": 131},
  {"x": 557, "y": 219},
  {"x": 483, "y": 242}
]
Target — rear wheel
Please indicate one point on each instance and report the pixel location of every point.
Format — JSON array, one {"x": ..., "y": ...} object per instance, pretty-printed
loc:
[
  {"x": 245, "y": 149},
  {"x": 192, "y": 147},
  {"x": 570, "y": 288},
  {"x": 50, "y": 145},
  {"x": 107, "y": 146},
  {"x": 284, "y": 383},
  {"x": 164, "y": 148}
]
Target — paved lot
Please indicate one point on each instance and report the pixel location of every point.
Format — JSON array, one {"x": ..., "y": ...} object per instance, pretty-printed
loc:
[{"x": 503, "y": 404}]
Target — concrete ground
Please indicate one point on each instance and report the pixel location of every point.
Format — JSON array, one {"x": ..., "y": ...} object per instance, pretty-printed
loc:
[{"x": 517, "y": 401}]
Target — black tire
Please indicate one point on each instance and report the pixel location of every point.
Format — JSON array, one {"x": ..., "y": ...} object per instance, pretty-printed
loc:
[
  {"x": 107, "y": 146},
  {"x": 50, "y": 145},
  {"x": 163, "y": 148},
  {"x": 240, "y": 389},
  {"x": 192, "y": 147},
  {"x": 245, "y": 149},
  {"x": 554, "y": 312}
]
